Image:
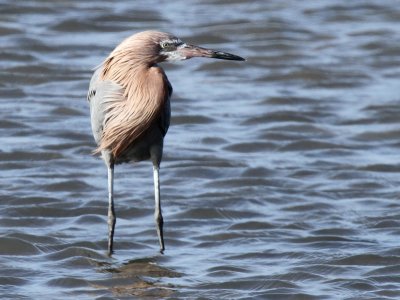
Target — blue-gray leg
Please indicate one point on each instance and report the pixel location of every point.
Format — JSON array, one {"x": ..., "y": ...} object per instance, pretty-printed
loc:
[
  {"x": 157, "y": 212},
  {"x": 111, "y": 212}
]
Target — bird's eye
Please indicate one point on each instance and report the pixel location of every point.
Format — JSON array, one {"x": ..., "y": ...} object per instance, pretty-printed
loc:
[{"x": 166, "y": 45}]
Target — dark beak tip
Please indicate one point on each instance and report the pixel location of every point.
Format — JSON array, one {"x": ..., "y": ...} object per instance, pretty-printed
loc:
[
  {"x": 239, "y": 58},
  {"x": 227, "y": 56}
]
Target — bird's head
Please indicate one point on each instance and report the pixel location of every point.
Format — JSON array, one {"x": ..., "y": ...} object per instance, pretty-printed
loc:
[
  {"x": 156, "y": 47},
  {"x": 172, "y": 48}
]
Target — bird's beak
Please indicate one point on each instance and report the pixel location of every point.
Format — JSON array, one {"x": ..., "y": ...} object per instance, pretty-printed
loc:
[{"x": 188, "y": 51}]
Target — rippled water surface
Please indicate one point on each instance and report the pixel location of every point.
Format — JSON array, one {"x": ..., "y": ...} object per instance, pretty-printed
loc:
[{"x": 281, "y": 175}]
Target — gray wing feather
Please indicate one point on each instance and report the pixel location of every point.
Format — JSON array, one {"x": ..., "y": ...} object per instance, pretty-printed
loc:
[{"x": 100, "y": 94}]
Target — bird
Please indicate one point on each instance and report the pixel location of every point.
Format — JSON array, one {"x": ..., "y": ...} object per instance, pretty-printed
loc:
[{"x": 129, "y": 99}]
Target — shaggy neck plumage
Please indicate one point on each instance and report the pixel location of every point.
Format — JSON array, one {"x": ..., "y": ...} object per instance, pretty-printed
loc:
[{"x": 144, "y": 89}]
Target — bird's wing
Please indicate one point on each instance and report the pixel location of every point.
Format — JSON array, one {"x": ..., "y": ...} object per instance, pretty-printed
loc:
[
  {"x": 122, "y": 113},
  {"x": 100, "y": 92}
]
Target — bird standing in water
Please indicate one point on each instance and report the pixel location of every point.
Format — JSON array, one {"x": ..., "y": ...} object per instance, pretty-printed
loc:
[{"x": 129, "y": 96}]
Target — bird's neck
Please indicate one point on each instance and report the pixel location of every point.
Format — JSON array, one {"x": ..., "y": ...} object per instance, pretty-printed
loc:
[{"x": 125, "y": 70}]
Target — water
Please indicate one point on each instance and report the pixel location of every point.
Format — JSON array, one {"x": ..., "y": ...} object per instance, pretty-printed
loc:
[{"x": 280, "y": 178}]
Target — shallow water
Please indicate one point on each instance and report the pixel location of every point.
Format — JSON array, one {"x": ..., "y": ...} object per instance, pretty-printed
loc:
[{"x": 280, "y": 178}]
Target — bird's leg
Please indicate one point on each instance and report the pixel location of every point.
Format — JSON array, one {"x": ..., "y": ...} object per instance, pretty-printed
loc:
[
  {"x": 111, "y": 212},
  {"x": 157, "y": 212}
]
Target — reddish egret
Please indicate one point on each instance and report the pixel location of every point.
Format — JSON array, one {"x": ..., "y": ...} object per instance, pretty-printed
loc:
[{"x": 129, "y": 98}]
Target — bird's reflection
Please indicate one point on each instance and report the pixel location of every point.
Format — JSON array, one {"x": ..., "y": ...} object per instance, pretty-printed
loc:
[{"x": 137, "y": 277}]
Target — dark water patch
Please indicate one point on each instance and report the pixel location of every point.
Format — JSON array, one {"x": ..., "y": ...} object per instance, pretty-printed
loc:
[
  {"x": 257, "y": 172},
  {"x": 89, "y": 219},
  {"x": 68, "y": 252},
  {"x": 378, "y": 136},
  {"x": 278, "y": 294},
  {"x": 198, "y": 172},
  {"x": 213, "y": 240},
  {"x": 367, "y": 260},
  {"x": 381, "y": 168},
  {"x": 205, "y": 161},
  {"x": 301, "y": 130},
  {"x": 361, "y": 121},
  {"x": 291, "y": 101},
  {"x": 6, "y": 124},
  {"x": 35, "y": 45},
  {"x": 14, "y": 166},
  {"x": 310, "y": 207},
  {"x": 320, "y": 78},
  {"x": 279, "y": 116},
  {"x": 251, "y": 147},
  {"x": 226, "y": 270},
  {"x": 13, "y": 93},
  {"x": 89, "y": 146},
  {"x": 39, "y": 74},
  {"x": 22, "y": 9},
  {"x": 387, "y": 224},
  {"x": 350, "y": 175},
  {"x": 391, "y": 293},
  {"x": 13, "y": 281},
  {"x": 279, "y": 136},
  {"x": 31, "y": 200},
  {"x": 192, "y": 119},
  {"x": 8, "y": 31},
  {"x": 67, "y": 111},
  {"x": 212, "y": 67},
  {"x": 367, "y": 185},
  {"x": 68, "y": 185},
  {"x": 372, "y": 32},
  {"x": 15, "y": 247},
  {"x": 23, "y": 79},
  {"x": 34, "y": 69},
  {"x": 386, "y": 270},
  {"x": 214, "y": 213},
  {"x": 72, "y": 135},
  {"x": 304, "y": 173},
  {"x": 67, "y": 282},
  {"x": 130, "y": 16},
  {"x": 79, "y": 25},
  {"x": 384, "y": 113},
  {"x": 55, "y": 210},
  {"x": 310, "y": 145},
  {"x": 252, "y": 225},
  {"x": 336, "y": 231},
  {"x": 21, "y": 221},
  {"x": 243, "y": 182},
  {"x": 339, "y": 12},
  {"x": 214, "y": 141},
  {"x": 6, "y": 55},
  {"x": 207, "y": 38},
  {"x": 297, "y": 226}
]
